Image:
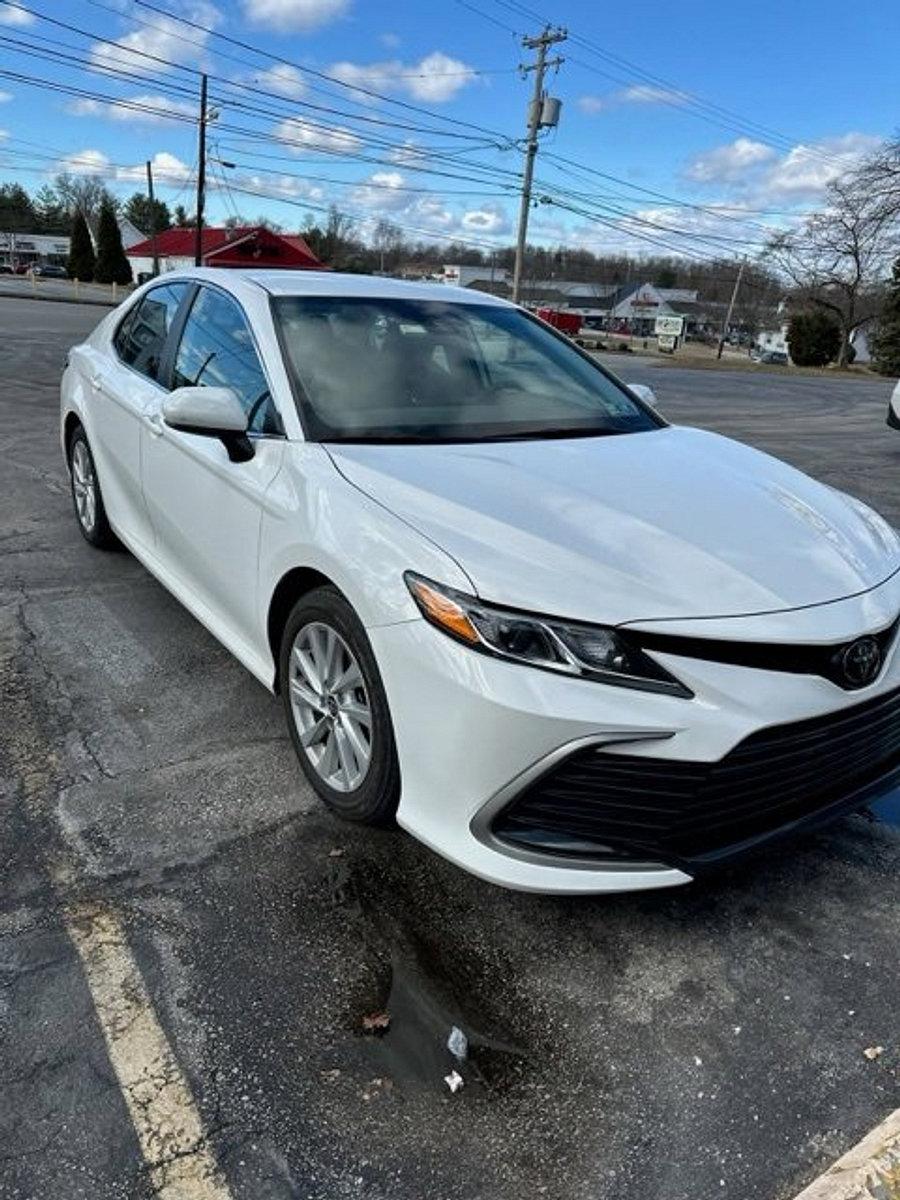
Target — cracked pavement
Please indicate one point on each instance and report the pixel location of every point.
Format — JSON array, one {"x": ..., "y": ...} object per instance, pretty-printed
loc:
[{"x": 688, "y": 1045}]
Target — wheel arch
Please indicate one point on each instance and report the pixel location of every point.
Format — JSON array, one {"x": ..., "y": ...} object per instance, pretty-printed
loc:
[
  {"x": 70, "y": 424},
  {"x": 291, "y": 587}
]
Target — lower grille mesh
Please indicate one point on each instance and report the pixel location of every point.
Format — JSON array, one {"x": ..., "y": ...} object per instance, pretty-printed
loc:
[{"x": 682, "y": 811}]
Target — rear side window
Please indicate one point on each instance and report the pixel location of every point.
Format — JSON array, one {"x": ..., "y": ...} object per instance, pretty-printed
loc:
[
  {"x": 141, "y": 338},
  {"x": 217, "y": 350}
]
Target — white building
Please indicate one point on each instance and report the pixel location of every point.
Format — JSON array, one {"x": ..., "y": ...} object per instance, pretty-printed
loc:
[{"x": 18, "y": 248}]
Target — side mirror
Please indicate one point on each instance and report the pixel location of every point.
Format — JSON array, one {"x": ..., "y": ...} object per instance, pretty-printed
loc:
[
  {"x": 211, "y": 412},
  {"x": 644, "y": 392}
]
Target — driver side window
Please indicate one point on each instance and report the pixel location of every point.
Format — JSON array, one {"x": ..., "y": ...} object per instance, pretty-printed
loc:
[{"x": 217, "y": 350}]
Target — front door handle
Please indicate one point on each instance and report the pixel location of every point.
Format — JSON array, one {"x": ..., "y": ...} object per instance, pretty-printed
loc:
[{"x": 154, "y": 423}]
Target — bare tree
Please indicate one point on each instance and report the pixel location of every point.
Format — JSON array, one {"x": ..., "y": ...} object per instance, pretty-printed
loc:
[
  {"x": 82, "y": 194},
  {"x": 839, "y": 259},
  {"x": 387, "y": 238}
]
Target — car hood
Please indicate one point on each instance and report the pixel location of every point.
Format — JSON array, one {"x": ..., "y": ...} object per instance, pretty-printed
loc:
[{"x": 671, "y": 523}]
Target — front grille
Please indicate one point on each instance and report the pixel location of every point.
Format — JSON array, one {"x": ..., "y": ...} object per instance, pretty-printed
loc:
[
  {"x": 686, "y": 812},
  {"x": 827, "y": 661}
]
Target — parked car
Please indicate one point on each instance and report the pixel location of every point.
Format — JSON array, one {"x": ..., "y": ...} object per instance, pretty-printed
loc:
[
  {"x": 50, "y": 271},
  {"x": 893, "y": 417},
  {"x": 771, "y": 356},
  {"x": 6, "y": 269},
  {"x": 568, "y": 645},
  {"x": 23, "y": 268}
]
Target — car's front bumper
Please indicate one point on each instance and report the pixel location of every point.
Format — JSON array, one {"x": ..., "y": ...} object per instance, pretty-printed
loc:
[{"x": 473, "y": 733}]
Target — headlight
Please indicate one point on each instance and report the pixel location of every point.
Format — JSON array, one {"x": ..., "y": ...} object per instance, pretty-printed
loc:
[{"x": 585, "y": 651}]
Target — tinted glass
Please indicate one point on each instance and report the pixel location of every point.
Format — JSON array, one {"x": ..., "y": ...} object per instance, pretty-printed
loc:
[
  {"x": 216, "y": 350},
  {"x": 400, "y": 370},
  {"x": 141, "y": 338}
]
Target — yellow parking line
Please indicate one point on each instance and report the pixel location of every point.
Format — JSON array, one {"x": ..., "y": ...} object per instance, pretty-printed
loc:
[{"x": 165, "y": 1117}]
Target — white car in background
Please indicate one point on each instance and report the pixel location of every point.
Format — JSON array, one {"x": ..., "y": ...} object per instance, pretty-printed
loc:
[{"x": 570, "y": 646}]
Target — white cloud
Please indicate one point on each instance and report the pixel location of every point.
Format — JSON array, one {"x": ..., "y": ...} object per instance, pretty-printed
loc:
[
  {"x": 806, "y": 170},
  {"x": 14, "y": 16},
  {"x": 410, "y": 153},
  {"x": 163, "y": 38},
  {"x": 639, "y": 93},
  {"x": 382, "y": 191},
  {"x": 299, "y": 136},
  {"x": 283, "y": 79},
  {"x": 5, "y": 96},
  {"x": 384, "y": 194},
  {"x": 643, "y": 93},
  {"x": 129, "y": 108},
  {"x": 4, "y": 133},
  {"x": 488, "y": 218},
  {"x": 759, "y": 174},
  {"x": 294, "y": 16},
  {"x": 438, "y": 78},
  {"x": 435, "y": 78},
  {"x": 726, "y": 164},
  {"x": 85, "y": 162},
  {"x": 166, "y": 169},
  {"x": 285, "y": 187},
  {"x": 389, "y": 40},
  {"x": 594, "y": 104}
]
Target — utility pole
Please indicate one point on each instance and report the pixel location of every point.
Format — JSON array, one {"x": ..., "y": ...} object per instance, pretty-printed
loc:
[
  {"x": 152, "y": 218},
  {"x": 734, "y": 296},
  {"x": 542, "y": 112},
  {"x": 201, "y": 175}
]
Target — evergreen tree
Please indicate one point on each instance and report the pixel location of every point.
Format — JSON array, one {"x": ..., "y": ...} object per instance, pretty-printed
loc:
[
  {"x": 886, "y": 342},
  {"x": 51, "y": 214},
  {"x": 81, "y": 251},
  {"x": 813, "y": 338},
  {"x": 112, "y": 265},
  {"x": 148, "y": 219},
  {"x": 16, "y": 210}
]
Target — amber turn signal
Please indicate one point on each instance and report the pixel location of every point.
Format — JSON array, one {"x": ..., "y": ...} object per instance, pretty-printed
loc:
[{"x": 443, "y": 611}]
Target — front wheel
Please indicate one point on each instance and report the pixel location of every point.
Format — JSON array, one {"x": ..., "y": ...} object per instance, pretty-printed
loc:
[
  {"x": 87, "y": 498},
  {"x": 337, "y": 710}
]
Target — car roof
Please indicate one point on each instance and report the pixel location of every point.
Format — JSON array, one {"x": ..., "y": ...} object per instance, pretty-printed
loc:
[{"x": 334, "y": 283}]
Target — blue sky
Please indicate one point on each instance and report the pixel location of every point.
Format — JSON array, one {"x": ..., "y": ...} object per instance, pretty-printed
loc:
[{"x": 735, "y": 115}]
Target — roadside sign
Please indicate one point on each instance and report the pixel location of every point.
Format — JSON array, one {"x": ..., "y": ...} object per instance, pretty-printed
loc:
[
  {"x": 669, "y": 325},
  {"x": 667, "y": 341}
]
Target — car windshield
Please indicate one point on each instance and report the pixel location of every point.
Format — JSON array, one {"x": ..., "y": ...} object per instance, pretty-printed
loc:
[{"x": 387, "y": 370}]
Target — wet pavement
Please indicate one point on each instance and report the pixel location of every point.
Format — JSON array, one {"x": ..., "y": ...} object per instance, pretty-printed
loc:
[{"x": 692, "y": 1044}]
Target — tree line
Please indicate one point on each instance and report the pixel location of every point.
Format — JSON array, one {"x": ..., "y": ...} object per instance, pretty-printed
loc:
[{"x": 837, "y": 271}]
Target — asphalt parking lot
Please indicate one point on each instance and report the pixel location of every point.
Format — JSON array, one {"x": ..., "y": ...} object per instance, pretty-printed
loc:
[{"x": 701, "y": 1043}]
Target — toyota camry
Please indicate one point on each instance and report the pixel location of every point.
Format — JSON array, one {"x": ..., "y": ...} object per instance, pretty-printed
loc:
[{"x": 568, "y": 645}]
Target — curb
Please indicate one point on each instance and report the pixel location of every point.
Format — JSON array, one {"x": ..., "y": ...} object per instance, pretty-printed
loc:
[
  {"x": 870, "y": 1171},
  {"x": 92, "y": 301}
]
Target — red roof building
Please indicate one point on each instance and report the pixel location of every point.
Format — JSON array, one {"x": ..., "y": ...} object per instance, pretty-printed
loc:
[{"x": 253, "y": 246}]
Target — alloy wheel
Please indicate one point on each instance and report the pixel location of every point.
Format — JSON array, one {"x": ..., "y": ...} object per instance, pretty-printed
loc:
[
  {"x": 330, "y": 706},
  {"x": 84, "y": 487}
]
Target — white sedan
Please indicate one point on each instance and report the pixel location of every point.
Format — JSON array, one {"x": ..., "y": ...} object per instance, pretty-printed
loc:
[{"x": 568, "y": 645}]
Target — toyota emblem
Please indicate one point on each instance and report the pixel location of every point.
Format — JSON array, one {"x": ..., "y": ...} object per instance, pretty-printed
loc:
[{"x": 861, "y": 661}]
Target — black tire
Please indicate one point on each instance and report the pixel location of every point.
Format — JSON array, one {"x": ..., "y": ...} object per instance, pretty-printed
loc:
[
  {"x": 98, "y": 531},
  {"x": 374, "y": 801}
]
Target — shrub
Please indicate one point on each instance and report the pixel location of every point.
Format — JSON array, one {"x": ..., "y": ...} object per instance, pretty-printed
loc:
[
  {"x": 112, "y": 266},
  {"x": 813, "y": 339},
  {"x": 81, "y": 252}
]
